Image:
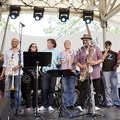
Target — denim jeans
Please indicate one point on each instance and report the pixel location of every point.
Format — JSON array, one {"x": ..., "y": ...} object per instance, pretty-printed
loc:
[
  {"x": 110, "y": 81},
  {"x": 68, "y": 90},
  {"x": 47, "y": 89},
  {"x": 17, "y": 93}
]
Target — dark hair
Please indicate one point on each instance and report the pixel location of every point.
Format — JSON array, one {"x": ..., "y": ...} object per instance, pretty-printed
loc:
[
  {"x": 29, "y": 50},
  {"x": 108, "y": 43},
  {"x": 53, "y": 42}
]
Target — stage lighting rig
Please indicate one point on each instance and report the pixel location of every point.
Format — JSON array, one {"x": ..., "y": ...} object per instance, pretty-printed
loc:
[
  {"x": 88, "y": 16},
  {"x": 64, "y": 14},
  {"x": 38, "y": 13},
  {"x": 14, "y": 11}
]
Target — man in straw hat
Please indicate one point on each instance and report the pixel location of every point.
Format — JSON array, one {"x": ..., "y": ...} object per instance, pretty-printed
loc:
[{"x": 88, "y": 59}]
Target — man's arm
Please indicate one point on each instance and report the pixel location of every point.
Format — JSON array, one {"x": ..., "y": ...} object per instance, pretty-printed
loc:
[
  {"x": 1, "y": 57},
  {"x": 2, "y": 74}
]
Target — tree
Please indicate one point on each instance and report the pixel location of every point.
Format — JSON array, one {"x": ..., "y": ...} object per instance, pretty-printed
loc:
[
  {"x": 3, "y": 24},
  {"x": 57, "y": 27},
  {"x": 74, "y": 24}
]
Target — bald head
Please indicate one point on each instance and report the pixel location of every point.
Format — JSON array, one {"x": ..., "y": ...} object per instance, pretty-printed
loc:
[
  {"x": 67, "y": 44},
  {"x": 14, "y": 42}
]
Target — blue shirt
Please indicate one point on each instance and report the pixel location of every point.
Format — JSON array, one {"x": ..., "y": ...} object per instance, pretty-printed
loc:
[{"x": 54, "y": 60}]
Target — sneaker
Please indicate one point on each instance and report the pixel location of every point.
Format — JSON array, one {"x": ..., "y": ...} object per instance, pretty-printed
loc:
[
  {"x": 79, "y": 108},
  {"x": 41, "y": 108},
  {"x": 50, "y": 108},
  {"x": 97, "y": 108}
]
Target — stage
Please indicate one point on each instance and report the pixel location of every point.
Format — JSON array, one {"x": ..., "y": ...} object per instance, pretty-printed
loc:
[{"x": 112, "y": 113}]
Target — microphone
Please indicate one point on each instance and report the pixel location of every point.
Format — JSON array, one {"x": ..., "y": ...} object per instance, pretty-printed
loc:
[{"x": 23, "y": 25}]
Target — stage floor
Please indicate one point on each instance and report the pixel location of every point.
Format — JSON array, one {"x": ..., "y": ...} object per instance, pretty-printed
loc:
[{"x": 105, "y": 113}]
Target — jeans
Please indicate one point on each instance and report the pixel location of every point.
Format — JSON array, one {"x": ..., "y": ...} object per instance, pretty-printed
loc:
[
  {"x": 110, "y": 81},
  {"x": 47, "y": 89},
  {"x": 17, "y": 93},
  {"x": 68, "y": 90}
]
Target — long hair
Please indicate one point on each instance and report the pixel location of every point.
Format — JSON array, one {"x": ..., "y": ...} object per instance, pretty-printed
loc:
[{"x": 29, "y": 50}]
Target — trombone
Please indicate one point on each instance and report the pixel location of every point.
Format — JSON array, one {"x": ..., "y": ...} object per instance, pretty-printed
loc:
[{"x": 12, "y": 85}]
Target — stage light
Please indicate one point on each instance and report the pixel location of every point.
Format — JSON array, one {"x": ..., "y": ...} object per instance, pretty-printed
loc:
[
  {"x": 38, "y": 13},
  {"x": 14, "y": 12},
  {"x": 88, "y": 16},
  {"x": 64, "y": 14}
]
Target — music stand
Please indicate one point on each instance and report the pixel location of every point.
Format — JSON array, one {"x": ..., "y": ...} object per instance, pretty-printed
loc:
[
  {"x": 61, "y": 73},
  {"x": 36, "y": 59}
]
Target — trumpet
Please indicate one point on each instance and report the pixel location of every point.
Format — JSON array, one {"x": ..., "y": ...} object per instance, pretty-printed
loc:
[{"x": 12, "y": 85}]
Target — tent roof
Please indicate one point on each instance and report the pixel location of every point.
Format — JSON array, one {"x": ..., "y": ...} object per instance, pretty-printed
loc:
[{"x": 106, "y": 10}]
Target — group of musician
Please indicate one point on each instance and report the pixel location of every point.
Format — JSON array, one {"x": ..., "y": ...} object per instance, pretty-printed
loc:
[{"x": 93, "y": 65}]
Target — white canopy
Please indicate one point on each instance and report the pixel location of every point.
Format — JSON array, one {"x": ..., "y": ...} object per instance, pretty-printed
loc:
[{"x": 104, "y": 10}]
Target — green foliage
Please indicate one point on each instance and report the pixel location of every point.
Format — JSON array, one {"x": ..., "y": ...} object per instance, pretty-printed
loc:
[
  {"x": 57, "y": 27},
  {"x": 113, "y": 29},
  {"x": 3, "y": 25},
  {"x": 74, "y": 24}
]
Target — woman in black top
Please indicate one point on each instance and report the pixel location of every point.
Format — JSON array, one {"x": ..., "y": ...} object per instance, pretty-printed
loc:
[{"x": 29, "y": 82}]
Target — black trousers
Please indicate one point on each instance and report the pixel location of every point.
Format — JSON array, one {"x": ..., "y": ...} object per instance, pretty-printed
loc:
[
  {"x": 26, "y": 91},
  {"x": 84, "y": 89}
]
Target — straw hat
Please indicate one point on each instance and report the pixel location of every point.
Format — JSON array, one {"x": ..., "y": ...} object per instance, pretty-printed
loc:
[{"x": 86, "y": 36}]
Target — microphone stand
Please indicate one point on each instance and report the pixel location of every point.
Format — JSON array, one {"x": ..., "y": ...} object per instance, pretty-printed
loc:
[{"x": 19, "y": 62}]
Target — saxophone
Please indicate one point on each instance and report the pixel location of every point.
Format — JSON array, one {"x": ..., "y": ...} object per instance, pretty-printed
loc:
[{"x": 83, "y": 74}]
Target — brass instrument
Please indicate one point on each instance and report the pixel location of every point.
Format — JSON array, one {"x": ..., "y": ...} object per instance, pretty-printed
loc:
[
  {"x": 83, "y": 74},
  {"x": 11, "y": 63},
  {"x": 12, "y": 85}
]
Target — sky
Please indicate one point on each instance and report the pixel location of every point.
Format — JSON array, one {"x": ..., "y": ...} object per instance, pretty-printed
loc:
[{"x": 32, "y": 27}]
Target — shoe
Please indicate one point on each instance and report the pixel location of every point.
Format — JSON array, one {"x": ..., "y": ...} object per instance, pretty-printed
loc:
[
  {"x": 17, "y": 112},
  {"x": 97, "y": 108},
  {"x": 79, "y": 108},
  {"x": 71, "y": 107},
  {"x": 41, "y": 108},
  {"x": 109, "y": 106},
  {"x": 118, "y": 106},
  {"x": 50, "y": 108},
  {"x": 28, "y": 109}
]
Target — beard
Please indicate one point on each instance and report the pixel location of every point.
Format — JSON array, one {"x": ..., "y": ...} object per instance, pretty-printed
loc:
[{"x": 86, "y": 46}]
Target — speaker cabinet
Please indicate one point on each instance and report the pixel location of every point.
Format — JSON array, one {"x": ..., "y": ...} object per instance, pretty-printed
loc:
[{"x": 6, "y": 109}]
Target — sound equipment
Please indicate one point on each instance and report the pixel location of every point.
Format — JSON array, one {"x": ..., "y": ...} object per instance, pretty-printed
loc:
[{"x": 6, "y": 109}]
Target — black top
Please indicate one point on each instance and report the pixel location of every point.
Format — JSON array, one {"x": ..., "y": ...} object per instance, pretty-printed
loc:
[{"x": 110, "y": 61}]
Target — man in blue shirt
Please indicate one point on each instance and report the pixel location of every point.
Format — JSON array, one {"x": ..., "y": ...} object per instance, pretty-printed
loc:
[{"x": 48, "y": 82}]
